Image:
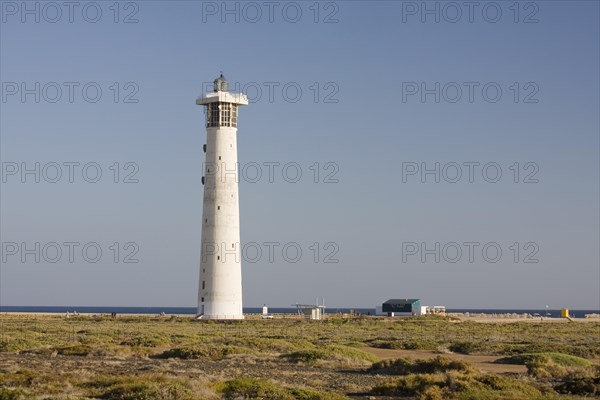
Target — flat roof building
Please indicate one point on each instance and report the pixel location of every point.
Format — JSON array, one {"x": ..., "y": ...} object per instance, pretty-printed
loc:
[{"x": 400, "y": 307}]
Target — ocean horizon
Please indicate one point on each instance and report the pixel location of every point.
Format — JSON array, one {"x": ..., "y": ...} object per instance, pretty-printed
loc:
[{"x": 272, "y": 310}]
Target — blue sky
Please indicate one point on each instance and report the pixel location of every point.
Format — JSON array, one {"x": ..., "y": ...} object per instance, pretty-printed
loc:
[{"x": 362, "y": 126}]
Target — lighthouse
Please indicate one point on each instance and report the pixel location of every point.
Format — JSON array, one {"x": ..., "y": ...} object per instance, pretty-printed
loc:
[{"x": 220, "y": 286}]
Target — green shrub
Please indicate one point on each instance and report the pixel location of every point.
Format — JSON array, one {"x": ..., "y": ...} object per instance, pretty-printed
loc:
[
  {"x": 145, "y": 341},
  {"x": 196, "y": 351},
  {"x": 547, "y": 365},
  {"x": 558, "y": 358},
  {"x": 11, "y": 394},
  {"x": 331, "y": 353},
  {"x": 386, "y": 344},
  {"x": 507, "y": 385},
  {"x": 139, "y": 387},
  {"x": 409, "y": 385},
  {"x": 459, "y": 385},
  {"x": 251, "y": 388},
  {"x": 581, "y": 382},
  {"x": 404, "y": 366},
  {"x": 584, "y": 350},
  {"x": 545, "y": 368},
  {"x": 434, "y": 393},
  {"x": 307, "y": 356},
  {"x": 351, "y": 353},
  {"x": 149, "y": 391},
  {"x": 419, "y": 344},
  {"x": 406, "y": 344},
  {"x": 24, "y": 377},
  {"x": 30, "y": 380},
  {"x": 18, "y": 345},
  {"x": 466, "y": 347},
  {"x": 399, "y": 366}
]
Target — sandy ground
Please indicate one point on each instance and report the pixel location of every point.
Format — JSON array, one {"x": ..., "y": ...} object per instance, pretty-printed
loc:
[{"x": 484, "y": 363}]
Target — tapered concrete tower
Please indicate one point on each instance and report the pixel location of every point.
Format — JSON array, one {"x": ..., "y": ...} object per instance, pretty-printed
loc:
[{"x": 220, "y": 287}]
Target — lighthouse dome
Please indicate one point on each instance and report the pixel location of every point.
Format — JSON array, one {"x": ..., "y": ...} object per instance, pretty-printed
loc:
[{"x": 221, "y": 84}]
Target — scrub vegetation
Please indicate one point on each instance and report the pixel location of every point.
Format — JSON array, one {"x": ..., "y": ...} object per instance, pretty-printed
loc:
[{"x": 52, "y": 357}]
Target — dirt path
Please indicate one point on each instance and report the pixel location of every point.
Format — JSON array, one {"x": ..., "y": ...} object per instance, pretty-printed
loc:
[{"x": 484, "y": 363}]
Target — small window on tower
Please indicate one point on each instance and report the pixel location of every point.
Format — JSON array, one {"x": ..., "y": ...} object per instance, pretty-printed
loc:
[
  {"x": 218, "y": 207},
  {"x": 202, "y": 299},
  {"x": 219, "y": 157},
  {"x": 203, "y": 284}
]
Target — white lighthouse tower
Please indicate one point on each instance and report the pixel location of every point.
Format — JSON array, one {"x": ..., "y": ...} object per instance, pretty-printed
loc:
[{"x": 220, "y": 286}]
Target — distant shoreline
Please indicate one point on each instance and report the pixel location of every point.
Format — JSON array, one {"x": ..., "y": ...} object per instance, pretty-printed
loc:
[
  {"x": 190, "y": 311},
  {"x": 492, "y": 318}
]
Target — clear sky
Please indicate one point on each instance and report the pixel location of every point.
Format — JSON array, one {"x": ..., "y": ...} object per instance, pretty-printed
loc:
[{"x": 386, "y": 93}]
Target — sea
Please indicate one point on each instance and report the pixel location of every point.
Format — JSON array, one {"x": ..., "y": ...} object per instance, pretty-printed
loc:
[{"x": 258, "y": 310}]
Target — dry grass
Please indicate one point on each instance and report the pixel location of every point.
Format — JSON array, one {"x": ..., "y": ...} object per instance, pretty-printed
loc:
[{"x": 141, "y": 357}]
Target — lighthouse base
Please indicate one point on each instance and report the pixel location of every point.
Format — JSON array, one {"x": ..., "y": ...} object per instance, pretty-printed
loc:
[{"x": 221, "y": 317}]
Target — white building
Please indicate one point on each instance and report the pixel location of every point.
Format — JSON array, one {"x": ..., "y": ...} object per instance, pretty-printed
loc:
[
  {"x": 309, "y": 311},
  {"x": 220, "y": 286}
]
